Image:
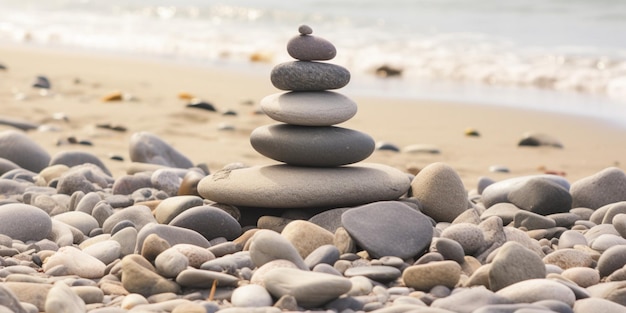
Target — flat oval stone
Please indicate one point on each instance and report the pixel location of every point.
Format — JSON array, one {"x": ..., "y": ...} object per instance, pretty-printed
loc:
[
  {"x": 304, "y": 75},
  {"x": 285, "y": 186},
  {"x": 20, "y": 149},
  {"x": 312, "y": 146},
  {"x": 24, "y": 222},
  {"x": 311, "y": 48},
  {"x": 309, "y": 108}
]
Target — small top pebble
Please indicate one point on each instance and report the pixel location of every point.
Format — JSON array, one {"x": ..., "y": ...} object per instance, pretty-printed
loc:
[{"x": 305, "y": 30}]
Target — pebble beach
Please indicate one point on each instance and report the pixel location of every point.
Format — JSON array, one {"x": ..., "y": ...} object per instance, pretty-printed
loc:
[{"x": 148, "y": 186}]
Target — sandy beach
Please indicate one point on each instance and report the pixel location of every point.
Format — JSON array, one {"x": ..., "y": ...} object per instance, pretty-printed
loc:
[{"x": 151, "y": 90}]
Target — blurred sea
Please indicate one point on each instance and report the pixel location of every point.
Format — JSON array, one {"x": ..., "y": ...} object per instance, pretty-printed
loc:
[{"x": 555, "y": 55}]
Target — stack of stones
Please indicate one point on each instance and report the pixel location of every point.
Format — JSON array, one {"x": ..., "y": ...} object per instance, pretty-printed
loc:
[{"x": 316, "y": 155}]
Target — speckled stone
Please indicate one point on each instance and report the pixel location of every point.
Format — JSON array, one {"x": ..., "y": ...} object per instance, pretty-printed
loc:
[
  {"x": 309, "y": 108},
  {"x": 309, "y": 76},
  {"x": 597, "y": 190},
  {"x": 24, "y": 222},
  {"x": 426, "y": 276},
  {"x": 506, "y": 270},
  {"x": 312, "y": 146},
  {"x": 440, "y": 191},
  {"x": 306, "y": 236},
  {"x": 285, "y": 186}
]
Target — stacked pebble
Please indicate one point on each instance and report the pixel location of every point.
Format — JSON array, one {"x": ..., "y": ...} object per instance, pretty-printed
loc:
[{"x": 314, "y": 151}]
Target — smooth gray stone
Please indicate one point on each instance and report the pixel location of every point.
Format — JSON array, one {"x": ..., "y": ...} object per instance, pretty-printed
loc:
[
  {"x": 19, "y": 124},
  {"x": 86, "y": 178},
  {"x": 172, "y": 234},
  {"x": 605, "y": 187},
  {"x": 309, "y": 76},
  {"x": 450, "y": 249},
  {"x": 330, "y": 219},
  {"x": 597, "y": 305},
  {"x": 7, "y": 165},
  {"x": 196, "y": 278},
  {"x": 62, "y": 299},
  {"x": 469, "y": 236},
  {"x": 149, "y": 148},
  {"x": 380, "y": 273},
  {"x": 613, "y": 291},
  {"x": 268, "y": 245},
  {"x": 511, "y": 308},
  {"x": 88, "y": 202},
  {"x": 169, "y": 208},
  {"x": 534, "y": 139},
  {"x": 73, "y": 158},
  {"x": 498, "y": 192},
  {"x": 389, "y": 228},
  {"x": 613, "y": 210},
  {"x": 540, "y": 195},
  {"x": 323, "y": 146},
  {"x": 468, "y": 300},
  {"x": 128, "y": 184},
  {"x": 285, "y": 186},
  {"x": 619, "y": 222},
  {"x": 310, "y": 48},
  {"x": 506, "y": 270},
  {"x": 24, "y": 222},
  {"x": 530, "y": 220},
  {"x": 504, "y": 210},
  {"x": 556, "y": 306},
  {"x": 311, "y": 289},
  {"x": 139, "y": 215},
  {"x": 229, "y": 262},
  {"x": 309, "y": 108},
  {"x": 18, "y": 148},
  {"x": 80, "y": 220},
  {"x": 209, "y": 221},
  {"x": 440, "y": 192},
  {"x": 611, "y": 260},
  {"x": 10, "y": 187},
  {"x": 533, "y": 290},
  {"x": 327, "y": 254},
  {"x": 564, "y": 219},
  {"x": 570, "y": 238}
]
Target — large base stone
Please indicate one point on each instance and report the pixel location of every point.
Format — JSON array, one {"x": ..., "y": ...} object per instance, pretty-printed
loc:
[{"x": 285, "y": 186}]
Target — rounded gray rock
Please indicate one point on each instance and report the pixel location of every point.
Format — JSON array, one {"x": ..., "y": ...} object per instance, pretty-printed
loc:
[
  {"x": 440, "y": 191},
  {"x": 611, "y": 260},
  {"x": 18, "y": 148},
  {"x": 531, "y": 220},
  {"x": 285, "y": 186},
  {"x": 268, "y": 245},
  {"x": 602, "y": 188},
  {"x": 148, "y": 148},
  {"x": 169, "y": 208},
  {"x": 389, "y": 228},
  {"x": 209, "y": 221},
  {"x": 309, "y": 76},
  {"x": 172, "y": 234},
  {"x": 24, "y": 222},
  {"x": 507, "y": 269},
  {"x": 311, "y": 48},
  {"x": 541, "y": 196},
  {"x": 323, "y": 146},
  {"x": 499, "y": 191},
  {"x": 533, "y": 290},
  {"x": 309, "y": 108},
  {"x": 73, "y": 158},
  {"x": 139, "y": 215},
  {"x": 469, "y": 236}
]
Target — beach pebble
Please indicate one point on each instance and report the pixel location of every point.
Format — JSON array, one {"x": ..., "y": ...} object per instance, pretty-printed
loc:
[
  {"x": 421, "y": 148},
  {"x": 171, "y": 207},
  {"x": 611, "y": 260},
  {"x": 196, "y": 278},
  {"x": 498, "y": 192},
  {"x": 388, "y": 228},
  {"x": 387, "y": 146},
  {"x": 569, "y": 258},
  {"x": 41, "y": 82},
  {"x": 127, "y": 184},
  {"x": 203, "y": 105},
  {"x": 541, "y": 196},
  {"x": 530, "y": 220},
  {"x": 597, "y": 305},
  {"x": 304, "y": 187},
  {"x": 251, "y": 296},
  {"x": 138, "y": 215},
  {"x": 426, "y": 276},
  {"x": 309, "y": 76},
  {"x": 533, "y": 139},
  {"x": 469, "y": 236},
  {"x": 10, "y": 301},
  {"x": 80, "y": 220},
  {"x": 24, "y": 222},
  {"x": 306, "y": 236},
  {"x": 605, "y": 187},
  {"x": 450, "y": 250},
  {"x": 309, "y": 108},
  {"x": 172, "y": 235},
  {"x": 209, "y": 221},
  {"x": 329, "y": 219},
  {"x": 73, "y": 158},
  {"x": 440, "y": 192},
  {"x": 533, "y": 290},
  {"x": 312, "y": 146},
  {"x": 170, "y": 263},
  {"x": 505, "y": 269},
  {"x": 166, "y": 180},
  {"x": 75, "y": 262},
  {"x": 106, "y": 251},
  {"x": 85, "y": 177},
  {"x": 310, "y": 289},
  {"x": 139, "y": 276},
  {"x": 196, "y": 255},
  {"x": 267, "y": 245},
  {"x": 582, "y": 276},
  {"x": 62, "y": 299},
  {"x": 127, "y": 238},
  {"x": 379, "y": 273},
  {"x": 469, "y": 300},
  {"x": 148, "y": 148},
  {"x": 310, "y": 48},
  {"x": 605, "y": 241},
  {"x": 18, "y": 148}
]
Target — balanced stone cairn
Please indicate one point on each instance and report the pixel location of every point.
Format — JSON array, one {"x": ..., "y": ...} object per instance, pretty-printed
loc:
[{"x": 317, "y": 155}]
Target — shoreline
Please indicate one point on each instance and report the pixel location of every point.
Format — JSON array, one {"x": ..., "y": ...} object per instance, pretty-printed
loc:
[{"x": 79, "y": 80}]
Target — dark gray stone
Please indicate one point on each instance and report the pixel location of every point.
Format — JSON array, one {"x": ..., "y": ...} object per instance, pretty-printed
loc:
[
  {"x": 499, "y": 191},
  {"x": 309, "y": 76},
  {"x": 450, "y": 250},
  {"x": 389, "y": 228},
  {"x": 148, "y": 148},
  {"x": 86, "y": 178},
  {"x": 127, "y": 184},
  {"x": 330, "y": 219},
  {"x": 323, "y": 146},
  {"x": 530, "y": 220},
  {"x": 209, "y": 221},
  {"x": 611, "y": 260},
  {"x": 311, "y": 48},
  {"x": 327, "y": 254},
  {"x": 379, "y": 273},
  {"x": 541, "y": 196}
]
